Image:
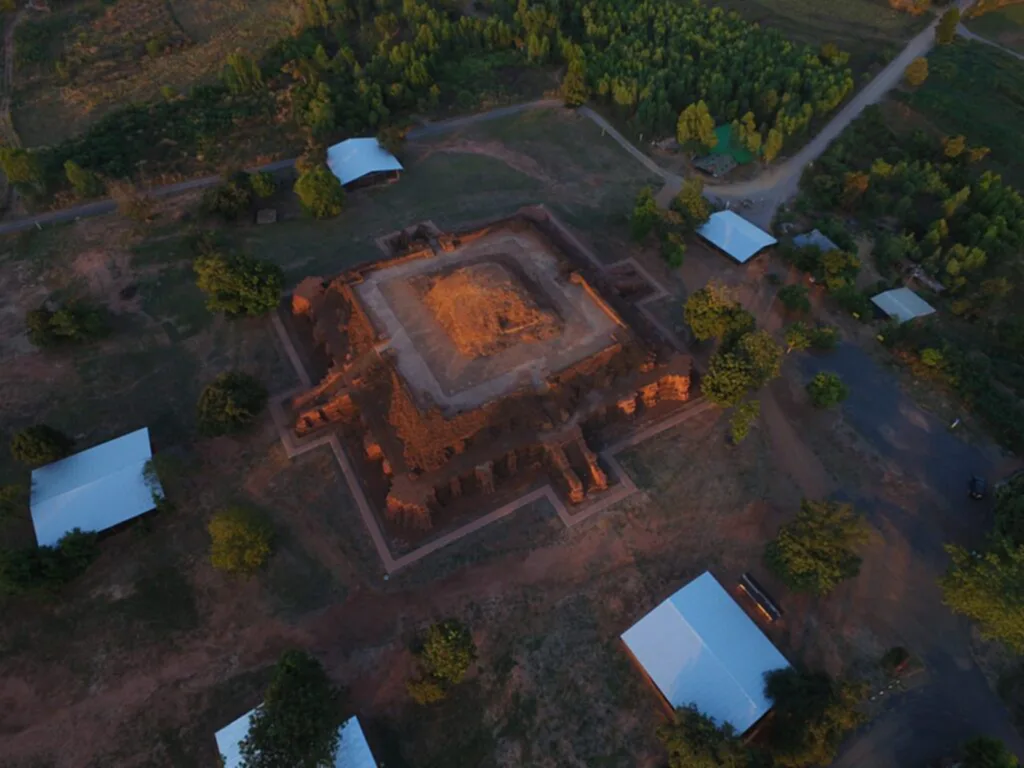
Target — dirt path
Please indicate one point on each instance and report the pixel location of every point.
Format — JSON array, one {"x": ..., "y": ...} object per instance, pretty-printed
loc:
[{"x": 965, "y": 33}]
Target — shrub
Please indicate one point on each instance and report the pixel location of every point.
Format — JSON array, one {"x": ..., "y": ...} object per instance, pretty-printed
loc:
[
  {"x": 13, "y": 500},
  {"x": 231, "y": 199},
  {"x": 853, "y": 301},
  {"x": 263, "y": 184},
  {"x": 794, "y": 298},
  {"x": 83, "y": 181},
  {"x": 743, "y": 418},
  {"x": 240, "y": 540},
  {"x": 320, "y": 193},
  {"x": 70, "y": 324},
  {"x": 824, "y": 337},
  {"x": 230, "y": 403},
  {"x": 424, "y": 690},
  {"x": 916, "y": 72},
  {"x": 827, "y": 389},
  {"x": 798, "y": 337},
  {"x": 645, "y": 215},
  {"x": 237, "y": 284},
  {"x": 40, "y": 445}
]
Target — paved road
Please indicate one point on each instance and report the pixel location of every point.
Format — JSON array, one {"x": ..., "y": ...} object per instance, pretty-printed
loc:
[{"x": 956, "y": 703}]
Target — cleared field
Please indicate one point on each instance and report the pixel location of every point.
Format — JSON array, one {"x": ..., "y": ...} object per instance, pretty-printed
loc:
[
  {"x": 85, "y": 59},
  {"x": 870, "y": 30},
  {"x": 1004, "y": 26}
]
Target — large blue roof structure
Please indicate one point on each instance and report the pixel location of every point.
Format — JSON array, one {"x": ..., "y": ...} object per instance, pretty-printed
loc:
[
  {"x": 734, "y": 235},
  {"x": 354, "y": 158},
  {"x": 95, "y": 489},
  {"x": 353, "y": 751},
  {"x": 699, "y": 647}
]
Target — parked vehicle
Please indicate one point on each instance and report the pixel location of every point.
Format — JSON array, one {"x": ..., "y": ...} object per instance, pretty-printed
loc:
[{"x": 977, "y": 487}]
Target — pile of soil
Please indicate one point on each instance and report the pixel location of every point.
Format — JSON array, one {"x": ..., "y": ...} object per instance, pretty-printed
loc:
[{"x": 485, "y": 310}]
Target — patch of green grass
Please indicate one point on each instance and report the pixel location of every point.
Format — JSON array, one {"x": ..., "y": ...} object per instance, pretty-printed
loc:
[
  {"x": 869, "y": 30},
  {"x": 1004, "y": 26},
  {"x": 164, "y": 603},
  {"x": 976, "y": 90},
  {"x": 173, "y": 300}
]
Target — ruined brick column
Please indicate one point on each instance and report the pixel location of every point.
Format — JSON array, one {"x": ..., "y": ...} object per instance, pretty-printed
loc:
[
  {"x": 674, "y": 387},
  {"x": 598, "y": 478},
  {"x": 649, "y": 395},
  {"x": 627, "y": 405},
  {"x": 485, "y": 476},
  {"x": 561, "y": 462}
]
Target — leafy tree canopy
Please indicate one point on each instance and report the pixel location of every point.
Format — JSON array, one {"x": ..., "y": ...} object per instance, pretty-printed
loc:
[
  {"x": 693, "y": 740},
  {"x": 230, "y": 403},
  {"x": 69, "y": 324},
  {"x": 817, "y": 550},
  {"x": 742, "y": 419},
  {"x": 40, "y": 444},
  {"x": 320, "y": 193},
  {"x": 240, "y": 540},
  {"x": 916, "y": 72},
  {"x": 986, "y": 752},
  {"x": 236, "y": 284},
  {"x": 1009, "y": 514},
  {"x": 713, "y": 313},
  {"x": 297, "y": 724},
  {"x": 987, "y": 588},
  {"x": 826, "y": 389},
  {"x": 812, "y": 713},
  {"x": 448, "y": 651},
  {"x": 645, "y": 215}
]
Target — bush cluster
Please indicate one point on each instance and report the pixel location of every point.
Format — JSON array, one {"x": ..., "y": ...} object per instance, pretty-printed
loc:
[
  {"x": 69, "y": 324},
  {"x": 230, "y": 403},
  {"x": 47, "y": 568}
]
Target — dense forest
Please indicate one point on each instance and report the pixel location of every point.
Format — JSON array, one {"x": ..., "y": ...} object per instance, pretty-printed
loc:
[
  {"x": 357, "y": 67},
  {"x": 930, "y": 203}
]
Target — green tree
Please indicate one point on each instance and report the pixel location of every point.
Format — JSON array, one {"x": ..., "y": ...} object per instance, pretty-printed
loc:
[
  {"x": 772, "y": 145},
  {"x": 85, "y": 183},
  {"x": 69, "y": 324},
  {"x": 986, "y": 752},
  {"x": 826, "y": 389},
  {"x": 987, "y": 589},
  {"x": 954, "y": 146},
  {"x": 240, "y": 540},
  {"x": 824, "y": 337},
  {"x": 811, "y": 715},
  {"x": 916, "y": 72},
  {"x": 231, "y": 199},
  {"x": 392, "y": 138},
  {"x": 242, "y": 73},
  {"x": 696, "y": 127},
  {"x": 794, "y": 298},
  {"x": 448, "y": 651},
  {"x": 262, "y": 184},
  {"x": 40, "y": 444},
  {"x": 713, "y": 313},
  {"x": 728, "y": 379},
  {"x": 742, "y": 419},
  {"x": 798, "y": 337},
  {"x": 425, "y": 690},
  {"x": 21, "y": 166},
  {"x": 320, "y": 193},
  {"x": 645, "y": 215},
  {"x": 1009, "y": 512},
  {"x": 237, "y": 284},
  {"x": 693, "y": 740},
  {"x": 691, "y": 204},
  {"x": 297, "y": 723},
  {"x": 574, "y": 83},
  {"x": 762, "y": 355},
  {"x": 230, "y": 403},
  {"x": 945, "y": 32},
  {"x": 816, "y": 551},
  {"x": 13, "y": 501}
]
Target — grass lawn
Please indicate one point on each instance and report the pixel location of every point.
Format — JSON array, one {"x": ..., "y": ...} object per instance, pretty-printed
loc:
[
  {"x": 1004, "y": 26},
  {"x": 870, "y": 30},
  {"x": 976, "y": 90}
]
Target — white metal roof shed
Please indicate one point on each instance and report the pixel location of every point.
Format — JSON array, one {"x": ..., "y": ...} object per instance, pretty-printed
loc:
[
  {"x": 740, "y": 239},
  {"x": 902, "y": 304},
  {"x": 354, "y": 158},
  {"x": 353, "y": 751},
  {"x": 93, "y": 490},
  {"x": 816, "y": 238},
  {"x": 699, "y": 647}
]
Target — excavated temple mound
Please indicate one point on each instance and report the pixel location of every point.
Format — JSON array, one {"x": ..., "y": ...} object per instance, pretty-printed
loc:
[{"x": 484, "y": 309}]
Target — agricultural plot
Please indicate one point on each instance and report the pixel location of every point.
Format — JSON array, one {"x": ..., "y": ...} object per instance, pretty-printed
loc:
[{"x": 85, "y": 59}]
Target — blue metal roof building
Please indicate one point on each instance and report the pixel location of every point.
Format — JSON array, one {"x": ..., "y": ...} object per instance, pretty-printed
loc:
[
  {"x": 353, "y": 159},
  {"x": 737, "y": 237},
  {"x": 353, "y": 751},
  {"x": 95, "y": 489},
  {"x": 699, "y": 647}
]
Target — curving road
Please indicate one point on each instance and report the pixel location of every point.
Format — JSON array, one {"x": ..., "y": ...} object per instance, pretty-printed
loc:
[{"x": 766, "y": 193}]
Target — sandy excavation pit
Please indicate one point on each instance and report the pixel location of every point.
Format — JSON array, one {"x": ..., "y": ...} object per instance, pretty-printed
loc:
[{"x": 495, "y": 315}]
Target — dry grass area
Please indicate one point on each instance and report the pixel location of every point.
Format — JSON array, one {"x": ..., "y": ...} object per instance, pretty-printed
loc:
[{"x": 90, "y": 57}]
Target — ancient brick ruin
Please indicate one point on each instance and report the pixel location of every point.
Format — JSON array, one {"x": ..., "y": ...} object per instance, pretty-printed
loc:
[{"x": 466, "y": 367}]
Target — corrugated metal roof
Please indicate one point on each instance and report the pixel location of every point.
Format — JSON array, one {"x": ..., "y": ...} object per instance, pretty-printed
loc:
[
  {"x": 902, "y": 304},
  {"x": 354, "y": 158},
  {"x": 699, "y": 647},
  {"x": 735, "y": 235},
  {"x": 93, "y": 490},
  {"x": 353, "y": 751},
  {"x": 817, "y": 239}
]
